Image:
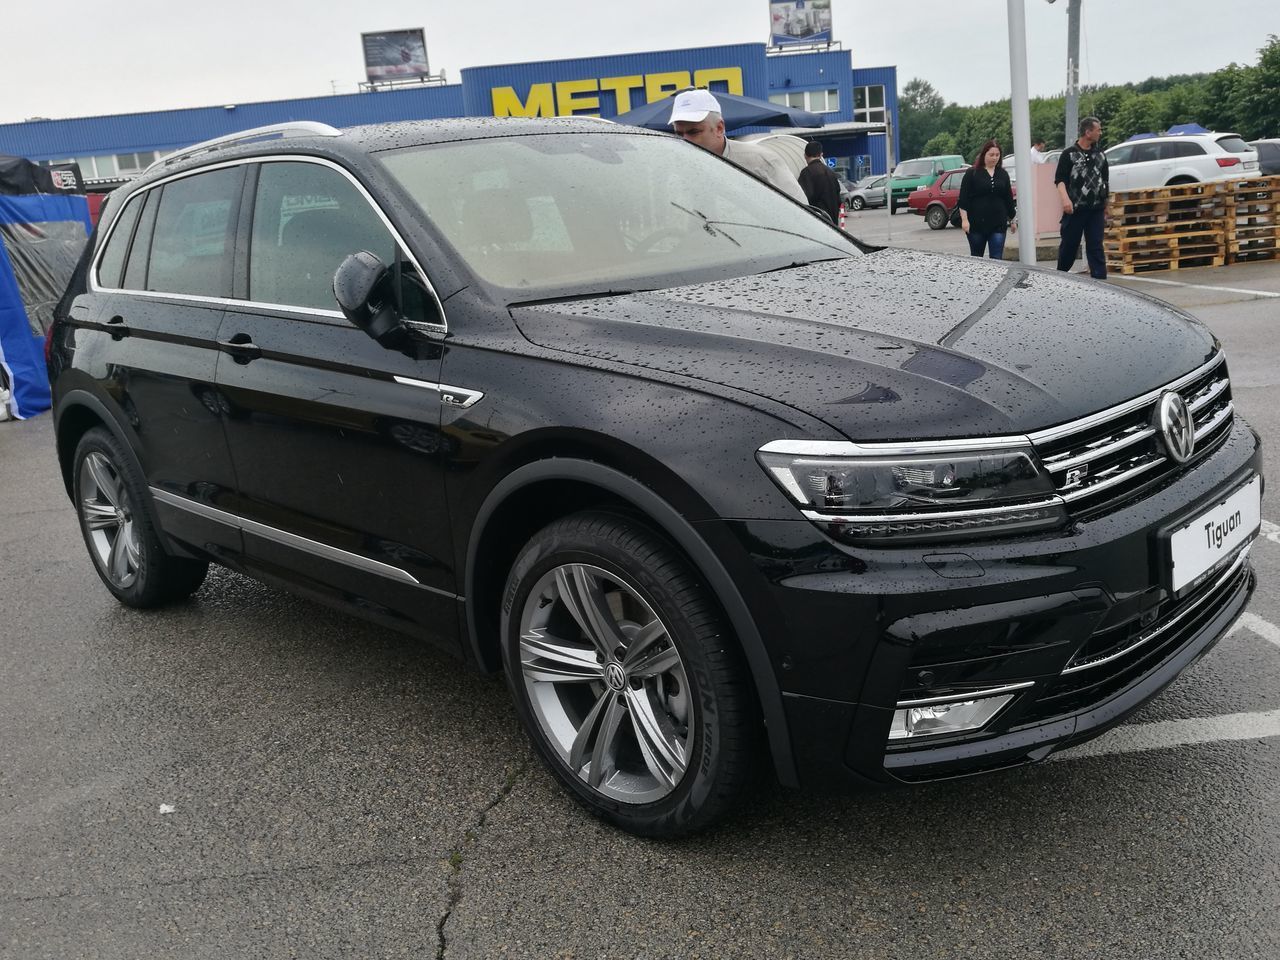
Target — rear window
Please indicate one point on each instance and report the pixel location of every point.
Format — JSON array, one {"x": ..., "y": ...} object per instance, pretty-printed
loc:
[
  {"x": 111, "y": 266},
  {"x": 1234, "y": 145},
  {"x": 1181, "y": 148}
]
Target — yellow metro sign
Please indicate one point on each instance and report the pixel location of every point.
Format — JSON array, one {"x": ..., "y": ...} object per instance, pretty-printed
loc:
[{"x": 565, "y": 98}]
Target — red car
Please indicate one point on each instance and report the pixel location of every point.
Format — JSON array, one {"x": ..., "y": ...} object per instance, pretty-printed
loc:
[{"x": 937, "y": 202}]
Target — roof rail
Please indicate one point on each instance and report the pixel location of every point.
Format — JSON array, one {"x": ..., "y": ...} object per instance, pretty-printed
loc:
[{"x": 296, "y": 128}]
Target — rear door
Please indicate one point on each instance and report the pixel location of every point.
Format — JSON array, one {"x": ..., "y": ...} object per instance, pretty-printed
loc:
[
  {"x": 1188, "y": 159},
  {"x": 1149, "y": 166},
  {"x": 336, "y": 440},
  {"x": 162, "y": 281}
]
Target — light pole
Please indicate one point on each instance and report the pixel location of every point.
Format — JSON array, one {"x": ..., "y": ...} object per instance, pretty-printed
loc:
[
  {"x": 1022, "y": 131},
  {"x": 1073, "y": 72}
]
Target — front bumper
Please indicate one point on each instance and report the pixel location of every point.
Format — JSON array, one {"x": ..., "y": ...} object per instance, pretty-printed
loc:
[{"x": 853, "y": 632}]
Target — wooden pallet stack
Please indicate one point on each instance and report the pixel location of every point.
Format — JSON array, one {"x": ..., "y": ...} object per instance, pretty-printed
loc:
[
  {"x": 1253, "y": 219},
  {"x": 1167, "y": 228}
]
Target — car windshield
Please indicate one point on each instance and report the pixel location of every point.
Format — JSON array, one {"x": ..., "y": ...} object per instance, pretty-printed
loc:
[
  {"x": 579, "y": 213},
  {"x": 913, "y": 168}
]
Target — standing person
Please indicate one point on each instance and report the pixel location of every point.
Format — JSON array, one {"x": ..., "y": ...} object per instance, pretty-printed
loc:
[
  {"x": 1037, "y": 152},
  {"x": 696, "y": 117},
  {"x": 819, "y": 182},
  {"x": 1083, "y": 187},
  {"x": 986, "y": 203}
]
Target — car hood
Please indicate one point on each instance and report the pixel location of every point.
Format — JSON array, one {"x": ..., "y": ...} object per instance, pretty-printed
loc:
[{"x": 896, "y": 345}]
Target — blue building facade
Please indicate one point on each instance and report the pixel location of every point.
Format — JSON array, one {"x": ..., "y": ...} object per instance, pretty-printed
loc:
[{"x": 112, "y": 148}]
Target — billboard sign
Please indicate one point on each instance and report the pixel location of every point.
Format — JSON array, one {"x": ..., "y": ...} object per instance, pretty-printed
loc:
[
  {"x": 799, "y": 21},
  {"x": 395, "y": 54}
]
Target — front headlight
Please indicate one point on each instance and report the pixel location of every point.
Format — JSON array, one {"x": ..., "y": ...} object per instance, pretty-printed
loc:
[{"x": 903, "y": 492}]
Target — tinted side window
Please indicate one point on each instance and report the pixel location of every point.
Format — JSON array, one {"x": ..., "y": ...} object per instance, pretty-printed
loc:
[
  {"x": 135, "y": 273},
  {"x": 111, "y": 266},
  {"x": 1120, "y": 155},
  {"x": 953, "y": 182},
  {"x": 1180, "y": 148},
  {"x": 307, "y": 219},
  {"x": 1145, "y": 152},
  {"x": 194, "y": 234}
]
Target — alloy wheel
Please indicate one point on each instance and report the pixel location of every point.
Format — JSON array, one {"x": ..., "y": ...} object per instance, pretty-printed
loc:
[
  {"x": 606, "y": 683},
  {"x": 109, "y": 520}
]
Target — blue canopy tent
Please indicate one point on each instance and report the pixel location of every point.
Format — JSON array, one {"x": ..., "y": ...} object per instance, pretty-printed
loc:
[
  {"x": 738, "y": 112},
  {"x": 1185, "y": 129},
  {"x": 44, "y": 225}
]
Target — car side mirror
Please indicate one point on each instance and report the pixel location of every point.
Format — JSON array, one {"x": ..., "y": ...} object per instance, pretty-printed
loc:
[{"x": 363, "y": 287}]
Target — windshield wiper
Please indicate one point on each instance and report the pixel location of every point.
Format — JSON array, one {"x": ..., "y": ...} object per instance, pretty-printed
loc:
[
  {"x": 706, "y": 223},
  {"x": 802, "y": 263}
]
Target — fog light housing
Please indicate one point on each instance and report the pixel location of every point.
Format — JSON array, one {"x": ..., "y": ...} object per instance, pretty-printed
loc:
[{"x": 952, "y": 716}]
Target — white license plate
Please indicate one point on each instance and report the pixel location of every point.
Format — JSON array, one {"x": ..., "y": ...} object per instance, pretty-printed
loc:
[{"x": 1215, "y": 535}]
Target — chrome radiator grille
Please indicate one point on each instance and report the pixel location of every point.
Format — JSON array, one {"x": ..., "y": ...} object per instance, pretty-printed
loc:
[{"x": 1103, "y": 460}]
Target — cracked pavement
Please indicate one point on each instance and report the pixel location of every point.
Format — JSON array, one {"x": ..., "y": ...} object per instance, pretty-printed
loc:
[{"x": 339, "y": 790}]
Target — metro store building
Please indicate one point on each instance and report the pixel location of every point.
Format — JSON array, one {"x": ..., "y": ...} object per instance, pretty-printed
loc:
[{"x": 111, "y": 149}]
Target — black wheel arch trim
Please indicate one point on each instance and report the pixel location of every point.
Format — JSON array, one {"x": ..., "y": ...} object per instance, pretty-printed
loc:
[
  {"x": 83, "y": 398},
  {"x": 682, "y": 532}
]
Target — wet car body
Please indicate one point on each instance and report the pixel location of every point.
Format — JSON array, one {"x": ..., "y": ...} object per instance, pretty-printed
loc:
[{"x": 441, "y": 458}]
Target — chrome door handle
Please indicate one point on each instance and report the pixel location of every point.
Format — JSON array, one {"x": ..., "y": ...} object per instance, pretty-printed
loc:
[{"x": 241, "y": 347}]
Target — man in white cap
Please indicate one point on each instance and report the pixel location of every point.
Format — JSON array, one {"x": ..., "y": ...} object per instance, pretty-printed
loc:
[{"x": 696, "y": 117}]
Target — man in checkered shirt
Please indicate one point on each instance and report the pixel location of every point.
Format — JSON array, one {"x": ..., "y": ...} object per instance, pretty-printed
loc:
[{"x": 1083, "y": 187}]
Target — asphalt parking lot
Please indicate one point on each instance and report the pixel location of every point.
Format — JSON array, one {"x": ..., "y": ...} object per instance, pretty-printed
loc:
[{"x": 251, "y": 775}]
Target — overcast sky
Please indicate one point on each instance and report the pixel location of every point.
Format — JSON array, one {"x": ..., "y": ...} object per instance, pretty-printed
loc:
[{"x": 75, "y": 58}]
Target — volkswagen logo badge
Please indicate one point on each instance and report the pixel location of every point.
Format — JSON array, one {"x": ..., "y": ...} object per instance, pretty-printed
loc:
[
  {"x": 1177, "y": 426},
  {"x": 615, "y": 677}
]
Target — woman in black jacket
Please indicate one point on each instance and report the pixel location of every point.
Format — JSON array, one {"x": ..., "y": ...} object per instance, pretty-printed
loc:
[{"x": 986, "y": 203}]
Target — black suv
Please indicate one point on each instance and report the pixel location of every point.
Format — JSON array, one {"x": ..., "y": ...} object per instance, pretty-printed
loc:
[{"x": 712, "y": 482}]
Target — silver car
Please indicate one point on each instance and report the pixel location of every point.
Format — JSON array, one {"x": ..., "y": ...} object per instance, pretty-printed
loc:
[{"x": 867, "y": 192}]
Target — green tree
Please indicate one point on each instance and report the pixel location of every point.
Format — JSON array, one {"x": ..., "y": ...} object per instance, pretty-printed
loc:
[
  {"x": 943, "y": 143},
  {"x": 1258, "y": 108},
  {"x": 920, "y": 116},
  {"x": 1140, "y": 113}
]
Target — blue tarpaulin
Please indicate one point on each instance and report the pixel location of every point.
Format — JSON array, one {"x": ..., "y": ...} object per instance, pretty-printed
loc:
[{"x": 43, "y": 235}]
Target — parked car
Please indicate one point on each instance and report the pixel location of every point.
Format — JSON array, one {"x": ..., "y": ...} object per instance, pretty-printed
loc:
[
  {"x": 938, "y": 203},
  {"x": 1187, "y": 158},
  {"x": 868, "y": 192},
  {"x": 1009, "y": 163},
  {"x": 919, "y": 173},
  {"x": 713, "y": 483},
  {"x": 1268, "y": 156}
]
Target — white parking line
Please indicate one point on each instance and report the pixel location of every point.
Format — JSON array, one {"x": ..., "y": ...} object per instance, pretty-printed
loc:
[
  {"x": 1271, "y": 531},
  {"x": 1260, "y": 294},
  {"x": 1255, "y": 624},
  {"x": 1167, "y": 734}
]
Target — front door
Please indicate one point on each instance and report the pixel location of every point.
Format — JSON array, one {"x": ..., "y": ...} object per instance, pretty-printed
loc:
[{"x": 336, "y": 440}]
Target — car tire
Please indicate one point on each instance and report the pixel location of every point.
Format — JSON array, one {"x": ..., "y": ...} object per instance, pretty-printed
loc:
[
  {"x": 857, "y": 203},
  {"x": 112, "y": 505},
  {"x": 936, "y": 217},
  {"x": 613, "y": 646}
]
